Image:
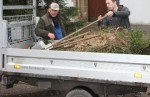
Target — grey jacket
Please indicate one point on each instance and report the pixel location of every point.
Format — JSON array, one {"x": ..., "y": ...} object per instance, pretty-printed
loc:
[
  {"x": 45, "y": 26},
  {"x": 120, "y": 18}
]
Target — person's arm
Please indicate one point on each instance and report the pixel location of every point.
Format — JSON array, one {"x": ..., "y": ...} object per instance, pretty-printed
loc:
[
  {"x": 40, "y": 29},
  {"x": 103, "y": 22},
  {"x": 123, "y": 13}
]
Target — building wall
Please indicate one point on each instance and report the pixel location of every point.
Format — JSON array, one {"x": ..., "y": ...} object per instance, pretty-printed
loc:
[
  {"x": 69, "y": 3},
  {"x": 139, "y": 11},
  {"x": 82, "y": 5}
]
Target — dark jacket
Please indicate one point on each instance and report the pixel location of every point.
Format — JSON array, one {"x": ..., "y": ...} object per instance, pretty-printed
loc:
[
  {"x": 120, "y": 18},
  {"x": 46, "y": 25}
]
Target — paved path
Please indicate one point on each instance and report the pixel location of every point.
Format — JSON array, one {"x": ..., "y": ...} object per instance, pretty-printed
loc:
[{"x": 25, "y": 90}]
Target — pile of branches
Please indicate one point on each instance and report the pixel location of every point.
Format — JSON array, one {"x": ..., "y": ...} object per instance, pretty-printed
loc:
[{"x": 108, "y": 40}]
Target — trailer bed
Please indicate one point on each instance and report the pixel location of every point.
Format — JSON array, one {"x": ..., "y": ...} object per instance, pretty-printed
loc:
[{"x": 82, "y": 66}]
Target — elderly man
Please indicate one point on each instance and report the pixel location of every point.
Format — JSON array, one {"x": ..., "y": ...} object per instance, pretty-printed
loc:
[
  {"x": 118, "y": 15},
  {"x": 50, "y": 26}
]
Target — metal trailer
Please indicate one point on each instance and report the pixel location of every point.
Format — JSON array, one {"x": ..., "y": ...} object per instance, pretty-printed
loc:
[{"x": 84, "y": 74}]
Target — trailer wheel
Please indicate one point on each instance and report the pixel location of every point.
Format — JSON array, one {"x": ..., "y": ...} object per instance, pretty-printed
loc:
[{"x": 79, "y": 93}]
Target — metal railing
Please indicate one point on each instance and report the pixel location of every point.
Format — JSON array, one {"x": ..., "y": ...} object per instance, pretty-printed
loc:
[{"x": 19, "y": 27}]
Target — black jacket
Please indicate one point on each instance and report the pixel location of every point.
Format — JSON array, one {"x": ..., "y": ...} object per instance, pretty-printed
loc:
[{"x": 120, "y": 18}]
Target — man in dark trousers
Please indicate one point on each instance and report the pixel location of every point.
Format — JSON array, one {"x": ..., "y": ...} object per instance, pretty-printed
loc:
[
  {"x": 50, "y": 26},
  {"x": 117, "y": 15}
]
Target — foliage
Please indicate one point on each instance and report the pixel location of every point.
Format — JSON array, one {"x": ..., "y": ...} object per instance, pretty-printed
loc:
[
  {"x": 110, "y": 40},
  {"x": 16, "y": 12},
  {"x": 15, "y": 2},
  {"x": 138, "y": 43},
  {"x": 117, "y": 41},
  {"x": 73, "y": 26}
]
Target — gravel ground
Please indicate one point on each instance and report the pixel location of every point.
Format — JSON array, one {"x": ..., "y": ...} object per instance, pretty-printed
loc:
[
  {"x": 25, "y": 90},
  {"x": 19, "y": 90}
]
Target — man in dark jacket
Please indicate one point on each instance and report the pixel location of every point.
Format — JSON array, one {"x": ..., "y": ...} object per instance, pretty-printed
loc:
[
  {"x": 50, "y": 26},
  {"x": 117, "y": 15}
]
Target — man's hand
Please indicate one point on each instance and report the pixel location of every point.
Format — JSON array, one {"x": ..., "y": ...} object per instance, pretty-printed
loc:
[
  {"x": 51, "y": 36},
  {"x": 100, "y": 17},
  {"x": 110, "y": 13}
]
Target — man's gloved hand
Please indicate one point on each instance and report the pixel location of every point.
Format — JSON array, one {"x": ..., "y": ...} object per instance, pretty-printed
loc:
[{"x": 51, "y": 36}]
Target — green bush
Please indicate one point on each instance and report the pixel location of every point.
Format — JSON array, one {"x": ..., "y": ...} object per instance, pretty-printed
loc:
[
  {"x": 73, "y": 26},
  {"x": 138, "y": 44}
]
